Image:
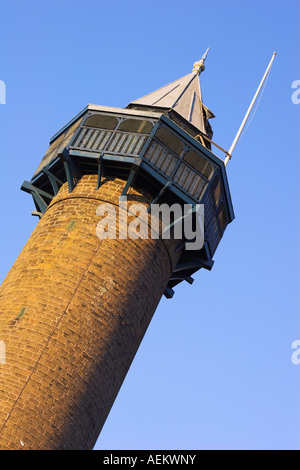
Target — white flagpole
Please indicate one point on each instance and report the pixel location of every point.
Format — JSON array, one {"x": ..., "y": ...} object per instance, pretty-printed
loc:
[{"x": 229, "y": 154}]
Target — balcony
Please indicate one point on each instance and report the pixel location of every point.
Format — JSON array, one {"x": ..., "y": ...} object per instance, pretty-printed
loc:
[{"x": 124, "y": 141}]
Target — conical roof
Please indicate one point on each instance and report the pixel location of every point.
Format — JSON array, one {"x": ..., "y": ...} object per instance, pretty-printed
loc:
[{"x": 183, "y": 96}]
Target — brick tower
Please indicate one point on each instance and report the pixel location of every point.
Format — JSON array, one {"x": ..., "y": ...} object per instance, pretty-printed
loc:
[{"x": 75, "y": 307}]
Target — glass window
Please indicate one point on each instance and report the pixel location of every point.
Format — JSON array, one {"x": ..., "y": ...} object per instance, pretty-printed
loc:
[
  {"x": 169, "y": 140},
  {"x": 136, "y": 125},
  {"x": 199, "y": 163},
  {"x": 223, "y": 217},
  {"x": 103, "y": 121},
  {"x": 217, "y": 189}
]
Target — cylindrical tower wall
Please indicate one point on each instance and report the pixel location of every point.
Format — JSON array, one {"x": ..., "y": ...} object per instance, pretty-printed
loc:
[{"x": 73, "y": 311}]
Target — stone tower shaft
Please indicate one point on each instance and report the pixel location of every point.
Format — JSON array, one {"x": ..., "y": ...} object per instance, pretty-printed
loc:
[{"x": 71, "y": 325}]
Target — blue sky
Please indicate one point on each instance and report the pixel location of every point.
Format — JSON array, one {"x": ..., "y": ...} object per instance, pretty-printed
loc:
[{"x": 214, "y": 370}]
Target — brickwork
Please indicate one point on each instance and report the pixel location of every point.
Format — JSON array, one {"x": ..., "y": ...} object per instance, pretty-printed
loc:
[{"x": 73, "y": 311}]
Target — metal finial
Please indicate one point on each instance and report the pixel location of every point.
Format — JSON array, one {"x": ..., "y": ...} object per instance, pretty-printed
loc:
[{"x": 198, "y": 66}]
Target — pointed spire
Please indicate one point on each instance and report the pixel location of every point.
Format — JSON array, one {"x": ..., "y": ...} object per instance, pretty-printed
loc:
[
  {"x": 198, "y": 67},
  {"x": 182, "y": 95}
]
